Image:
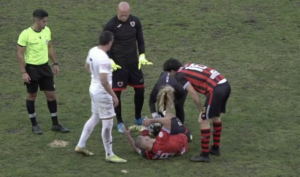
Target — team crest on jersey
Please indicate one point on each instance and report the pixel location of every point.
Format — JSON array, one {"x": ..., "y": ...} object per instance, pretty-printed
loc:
[
  {"x": 160, "y": 134},
  {"x": 120, "y": 84},
  {"x": 132, "y": 23}
]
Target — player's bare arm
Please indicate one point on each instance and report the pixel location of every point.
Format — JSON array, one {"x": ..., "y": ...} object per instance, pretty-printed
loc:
[
  {"x": 105, "y": 84},
  {"x": 20, "y": 52},
  {"x": 51, "y": 52},
  {"x": 130, "y": 140},
  {"x": 195, "y": 97},
  {"x": 87, "y": 67},
  {"x": 108, "y": 89},
  {"x": 164, "y": 121},
  {"x": 52, "y": 57}
]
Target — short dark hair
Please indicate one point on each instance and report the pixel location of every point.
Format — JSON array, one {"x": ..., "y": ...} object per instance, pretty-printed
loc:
[
  {"x": 40, "y": 13},
  {"x": 172, "y": 64},
  {"x": 105, "y": 37}
]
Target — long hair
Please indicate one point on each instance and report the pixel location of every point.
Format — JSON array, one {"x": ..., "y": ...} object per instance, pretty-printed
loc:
[{"x": 165, "y": 98}]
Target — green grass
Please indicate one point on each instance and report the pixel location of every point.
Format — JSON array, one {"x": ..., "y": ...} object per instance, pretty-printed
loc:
[{"x": 254, "y": 43}]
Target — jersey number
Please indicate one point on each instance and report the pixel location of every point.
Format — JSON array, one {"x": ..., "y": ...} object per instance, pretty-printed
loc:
[
  {"x": 200, "y": 68},
  {"x": 166, "y": 155},
  {"x": 167, "y": 78}
]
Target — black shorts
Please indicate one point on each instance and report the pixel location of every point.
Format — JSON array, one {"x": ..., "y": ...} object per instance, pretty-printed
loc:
[
  {"x": 127, "y": 75},
  {"x": 41, "y": 76},
  {"x": 177, "y": 127},
  {"x": 215, "y": 103}
]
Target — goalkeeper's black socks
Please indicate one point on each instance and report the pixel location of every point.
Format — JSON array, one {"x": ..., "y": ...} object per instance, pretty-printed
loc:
[
  {"x": 118, "y": 109},
  {"x": 138, "y": 101}
]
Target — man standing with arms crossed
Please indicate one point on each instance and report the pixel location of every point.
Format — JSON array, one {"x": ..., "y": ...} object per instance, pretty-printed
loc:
[
  {"x": 34, "y": 49},
  {"x": 103, "y": 98},
  {"x": 127, "y": 30}
]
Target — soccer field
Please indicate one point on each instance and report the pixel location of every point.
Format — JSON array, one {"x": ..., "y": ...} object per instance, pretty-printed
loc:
[{"x": 253, "y": 43}]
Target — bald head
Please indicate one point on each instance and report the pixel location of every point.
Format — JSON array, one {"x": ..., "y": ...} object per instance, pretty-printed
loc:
[
  {"x": 143, "y": 142},
  {"x": 123, "y": 11},
  {"x": 124, "y": 6}
]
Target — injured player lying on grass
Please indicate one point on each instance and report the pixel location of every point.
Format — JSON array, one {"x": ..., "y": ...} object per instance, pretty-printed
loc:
[{"x": 173, "y": 137}]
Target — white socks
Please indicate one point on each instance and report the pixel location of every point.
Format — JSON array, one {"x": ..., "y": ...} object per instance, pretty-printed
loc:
[
  {"x": 107, "y": 136},
  {"x": 88, "y": 129}
]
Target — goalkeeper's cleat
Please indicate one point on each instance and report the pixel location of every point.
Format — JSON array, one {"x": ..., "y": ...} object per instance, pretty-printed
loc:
[
  {"x": 136, "y": 128},
  {"x": 115, "y": 159},
  {"x": 83, "y": 151}
]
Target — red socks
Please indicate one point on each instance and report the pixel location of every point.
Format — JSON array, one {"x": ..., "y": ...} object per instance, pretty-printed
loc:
[
  {"x": 205, "y": 137},
  {"x": 217, "y": 126}
]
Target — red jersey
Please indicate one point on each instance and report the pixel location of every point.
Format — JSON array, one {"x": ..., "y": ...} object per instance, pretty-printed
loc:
[
  {"x": 166, "y": 145},
  {"x": 202, "y": 78}
]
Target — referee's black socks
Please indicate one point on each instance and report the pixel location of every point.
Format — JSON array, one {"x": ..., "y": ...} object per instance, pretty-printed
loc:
[
  {"x": 31, "y": 111},
  {"x": 52, "y": 106}
]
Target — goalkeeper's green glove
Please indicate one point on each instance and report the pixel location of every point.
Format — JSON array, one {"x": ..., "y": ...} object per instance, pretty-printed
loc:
[
  {"x": 114, "y": 66},
  {"x": 143, "y": 61}
]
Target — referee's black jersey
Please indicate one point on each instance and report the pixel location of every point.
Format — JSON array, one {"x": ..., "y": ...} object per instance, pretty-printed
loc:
[
  {"x": 126, "y": 37},
  {"x": 164, "y": 79}
]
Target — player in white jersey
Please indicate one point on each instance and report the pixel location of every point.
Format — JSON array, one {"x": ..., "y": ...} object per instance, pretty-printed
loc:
[{"x": 103, "y": 98}]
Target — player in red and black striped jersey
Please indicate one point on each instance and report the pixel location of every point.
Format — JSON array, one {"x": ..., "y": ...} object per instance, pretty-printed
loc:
[
  {"x": 173, "y": 138},
  {"x": 196, "y": 78}
]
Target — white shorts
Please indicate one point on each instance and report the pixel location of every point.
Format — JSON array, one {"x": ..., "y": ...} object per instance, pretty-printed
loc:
[{"x": 102, "y": 104}]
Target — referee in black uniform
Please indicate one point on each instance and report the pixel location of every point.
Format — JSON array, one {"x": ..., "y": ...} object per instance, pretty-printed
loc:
[
  {"x": 34, "y": 49},
  {"x": 128, "y": 36},
  {"x": 180, "y": 95}
]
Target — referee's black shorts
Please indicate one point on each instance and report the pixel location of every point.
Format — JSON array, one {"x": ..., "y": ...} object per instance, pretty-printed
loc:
[{"x": 41, "y": 76}]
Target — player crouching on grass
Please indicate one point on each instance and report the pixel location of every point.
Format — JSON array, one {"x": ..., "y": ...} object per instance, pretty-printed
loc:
[{"x": 173, "y": 138}]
